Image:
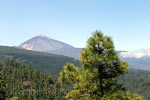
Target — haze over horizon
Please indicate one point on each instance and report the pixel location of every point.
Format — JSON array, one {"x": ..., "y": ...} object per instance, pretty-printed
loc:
[{"x": 73, "y": 22}]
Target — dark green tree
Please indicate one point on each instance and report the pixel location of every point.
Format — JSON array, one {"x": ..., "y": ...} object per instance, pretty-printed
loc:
[{"x": 100, "y": 56}]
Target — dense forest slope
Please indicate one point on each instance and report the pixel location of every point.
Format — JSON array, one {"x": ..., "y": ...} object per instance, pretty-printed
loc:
[
  {"x": 137, "y": 81},
  {"x": 45, "y": 62},
  {"x": 28, "y": 84}
]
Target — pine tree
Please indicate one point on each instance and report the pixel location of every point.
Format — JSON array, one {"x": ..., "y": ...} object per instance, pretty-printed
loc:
[
  {"x": 97, "y": 78},
  {"x": 100, "y": 55}
]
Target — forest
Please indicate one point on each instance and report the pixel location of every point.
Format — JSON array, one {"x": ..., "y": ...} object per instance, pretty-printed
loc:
[
  {"x": 137, "y": 81},
  {"x": 101, "y": 75},
  {"x": 27, "y": 84},
  {"x": 45, "y": 62}
]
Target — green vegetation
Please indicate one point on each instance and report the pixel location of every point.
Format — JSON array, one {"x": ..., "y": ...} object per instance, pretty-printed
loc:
[
  {"x": 137, "y": 81},
  {"x": 14, "y": 98},
  {"x": 44, "y": 62},
  {"x": 97, "y": 78},
  {"x": 26, "y": 84},
  {"x": 16, "y": 75}
]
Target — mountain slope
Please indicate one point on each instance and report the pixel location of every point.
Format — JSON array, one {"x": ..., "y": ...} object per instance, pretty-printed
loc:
[
  {"x": 137, "y": 81},
  {"x": 46, "y": 44},
  {"x": 25, "y": 83},
  {"x": 45, "y": 62},
  {"x": 28, "y": 84},
  {"x": 139, "y": 63}
]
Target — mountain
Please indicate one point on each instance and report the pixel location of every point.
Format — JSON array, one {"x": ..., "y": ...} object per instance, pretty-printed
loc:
[
  {"x": 45, "y": 44},
  {"x": 44, "y": 62}
]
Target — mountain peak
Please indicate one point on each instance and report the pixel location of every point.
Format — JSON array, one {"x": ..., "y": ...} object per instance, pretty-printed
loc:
[{"x": 42, "y": 35}]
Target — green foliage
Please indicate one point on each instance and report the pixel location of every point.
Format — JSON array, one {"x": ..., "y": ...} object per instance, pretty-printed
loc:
[
  {"x": 133, "y": 97},
  {"x": 27, "y": 84},
  {"x": 97, "y": 78},
  {"x": 137, "y": 81}
]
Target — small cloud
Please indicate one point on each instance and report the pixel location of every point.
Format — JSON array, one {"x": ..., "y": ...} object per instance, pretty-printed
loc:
[{"x": 135, "y": 54}]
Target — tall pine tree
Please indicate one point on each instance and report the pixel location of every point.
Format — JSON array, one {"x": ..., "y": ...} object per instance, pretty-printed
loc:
[{"x": 97, "y": 78}]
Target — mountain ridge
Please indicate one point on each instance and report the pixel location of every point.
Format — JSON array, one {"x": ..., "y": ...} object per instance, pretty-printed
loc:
[{"x": 42, "y": 61}]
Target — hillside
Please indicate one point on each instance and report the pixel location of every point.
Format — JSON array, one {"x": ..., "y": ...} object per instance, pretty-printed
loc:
[
  {"x": 45, "y": 62},
  {"x": 28, "y": 84},
  {"x": 139, "y": 63},
  {"x": 137, "y": 81},
  {"x": 139, "y": 59}
]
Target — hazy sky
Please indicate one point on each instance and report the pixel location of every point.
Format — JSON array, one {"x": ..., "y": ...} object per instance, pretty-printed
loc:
[{"x": 73, "y": 21}]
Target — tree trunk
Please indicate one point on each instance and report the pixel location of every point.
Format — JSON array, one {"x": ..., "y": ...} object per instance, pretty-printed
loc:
[
  {"x": 100, "y": 76},
  {"x": 101, "y": 81}
]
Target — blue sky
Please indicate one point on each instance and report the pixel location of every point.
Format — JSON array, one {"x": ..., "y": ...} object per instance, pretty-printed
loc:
[{"x": 73, "y": 21}]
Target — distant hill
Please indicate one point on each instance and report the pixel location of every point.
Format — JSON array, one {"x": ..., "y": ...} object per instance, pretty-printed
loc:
[
  {"x": 45, "y": 62},
  {"x": 45, "y": 44},
  {"x": 139, "y": 63},
  {"x": 139, "y": 59}
]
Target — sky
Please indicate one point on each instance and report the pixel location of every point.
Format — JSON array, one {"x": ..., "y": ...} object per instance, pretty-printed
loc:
[{"x": 74, "y": 21}]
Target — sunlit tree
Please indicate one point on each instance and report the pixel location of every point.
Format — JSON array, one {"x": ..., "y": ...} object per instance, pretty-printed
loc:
[{"x": 97, "y": 78}]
